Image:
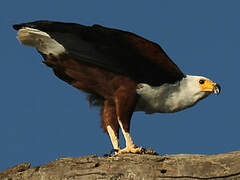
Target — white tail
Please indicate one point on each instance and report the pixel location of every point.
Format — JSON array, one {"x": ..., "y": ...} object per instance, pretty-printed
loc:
[{"x": 40, "y": 40}]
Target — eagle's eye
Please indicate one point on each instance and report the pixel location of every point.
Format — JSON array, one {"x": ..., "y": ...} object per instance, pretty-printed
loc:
[{"x": 201, "y": 81}]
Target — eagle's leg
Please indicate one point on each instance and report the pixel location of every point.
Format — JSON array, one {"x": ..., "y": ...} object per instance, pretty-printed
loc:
[
  {"x": 110, "y": 123},
  {"x": 125, "y": 100}
]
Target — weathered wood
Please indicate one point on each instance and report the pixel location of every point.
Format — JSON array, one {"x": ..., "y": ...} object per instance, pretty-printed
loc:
[{"x": 132, "y": 166}]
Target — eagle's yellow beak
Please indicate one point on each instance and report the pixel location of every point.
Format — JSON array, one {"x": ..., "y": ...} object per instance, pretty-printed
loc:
[{"x": 209, "y": 86}]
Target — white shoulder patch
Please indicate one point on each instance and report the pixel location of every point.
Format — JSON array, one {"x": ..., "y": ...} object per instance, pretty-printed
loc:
[{"x": 40, "y": 40}]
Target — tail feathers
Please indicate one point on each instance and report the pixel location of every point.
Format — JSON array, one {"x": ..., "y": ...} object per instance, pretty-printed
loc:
[{"x": 40, "y": 40}]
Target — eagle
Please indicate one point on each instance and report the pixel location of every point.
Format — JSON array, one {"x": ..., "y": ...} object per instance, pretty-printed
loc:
[{"x": 120, "y": 71}]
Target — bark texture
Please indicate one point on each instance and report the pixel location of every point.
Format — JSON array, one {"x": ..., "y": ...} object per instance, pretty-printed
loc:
[{"x": 132, "y": 166}]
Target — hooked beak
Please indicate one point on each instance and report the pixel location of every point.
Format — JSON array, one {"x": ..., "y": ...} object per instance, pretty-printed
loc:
[
  {"x": 209, "y": 86},
  {"x": 216, "y": 89}
]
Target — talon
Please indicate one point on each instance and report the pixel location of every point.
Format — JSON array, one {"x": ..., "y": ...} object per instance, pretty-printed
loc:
[
  {"x": 114, "y": 151},
  {"x": 134, "y": 150},
  {"x": 111, "y": 153}
]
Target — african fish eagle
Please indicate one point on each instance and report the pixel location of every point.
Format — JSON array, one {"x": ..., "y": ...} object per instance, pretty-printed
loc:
[{"x": 121, "y": 72}]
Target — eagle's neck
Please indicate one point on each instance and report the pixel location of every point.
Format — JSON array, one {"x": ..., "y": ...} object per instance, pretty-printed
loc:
[{"x": 169, "y": 98}]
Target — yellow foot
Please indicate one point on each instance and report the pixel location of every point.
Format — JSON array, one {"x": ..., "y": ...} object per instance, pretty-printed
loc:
[{"x": 135, "y": 150}]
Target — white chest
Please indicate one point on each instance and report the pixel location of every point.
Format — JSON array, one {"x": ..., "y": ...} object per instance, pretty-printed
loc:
[{"x": 167, "y": 98}]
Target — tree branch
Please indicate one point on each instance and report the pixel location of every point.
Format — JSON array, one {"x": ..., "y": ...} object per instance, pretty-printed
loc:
[{"x": 132, "y": 166}]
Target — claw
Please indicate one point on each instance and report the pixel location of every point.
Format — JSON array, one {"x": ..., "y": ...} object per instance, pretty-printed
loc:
[
  {"x": 135, "y": 150},
  {"x": 111, "y": 153}
]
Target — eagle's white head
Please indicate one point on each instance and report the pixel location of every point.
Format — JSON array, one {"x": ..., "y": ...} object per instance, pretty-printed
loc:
[{"x": 169, "y": 98}]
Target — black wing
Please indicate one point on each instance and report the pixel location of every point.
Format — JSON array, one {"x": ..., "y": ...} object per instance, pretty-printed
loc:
[{"x": 114, "y": 50}]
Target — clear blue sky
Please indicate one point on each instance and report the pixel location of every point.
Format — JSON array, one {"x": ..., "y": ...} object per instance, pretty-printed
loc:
[{"x": 42, "y": 118}]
